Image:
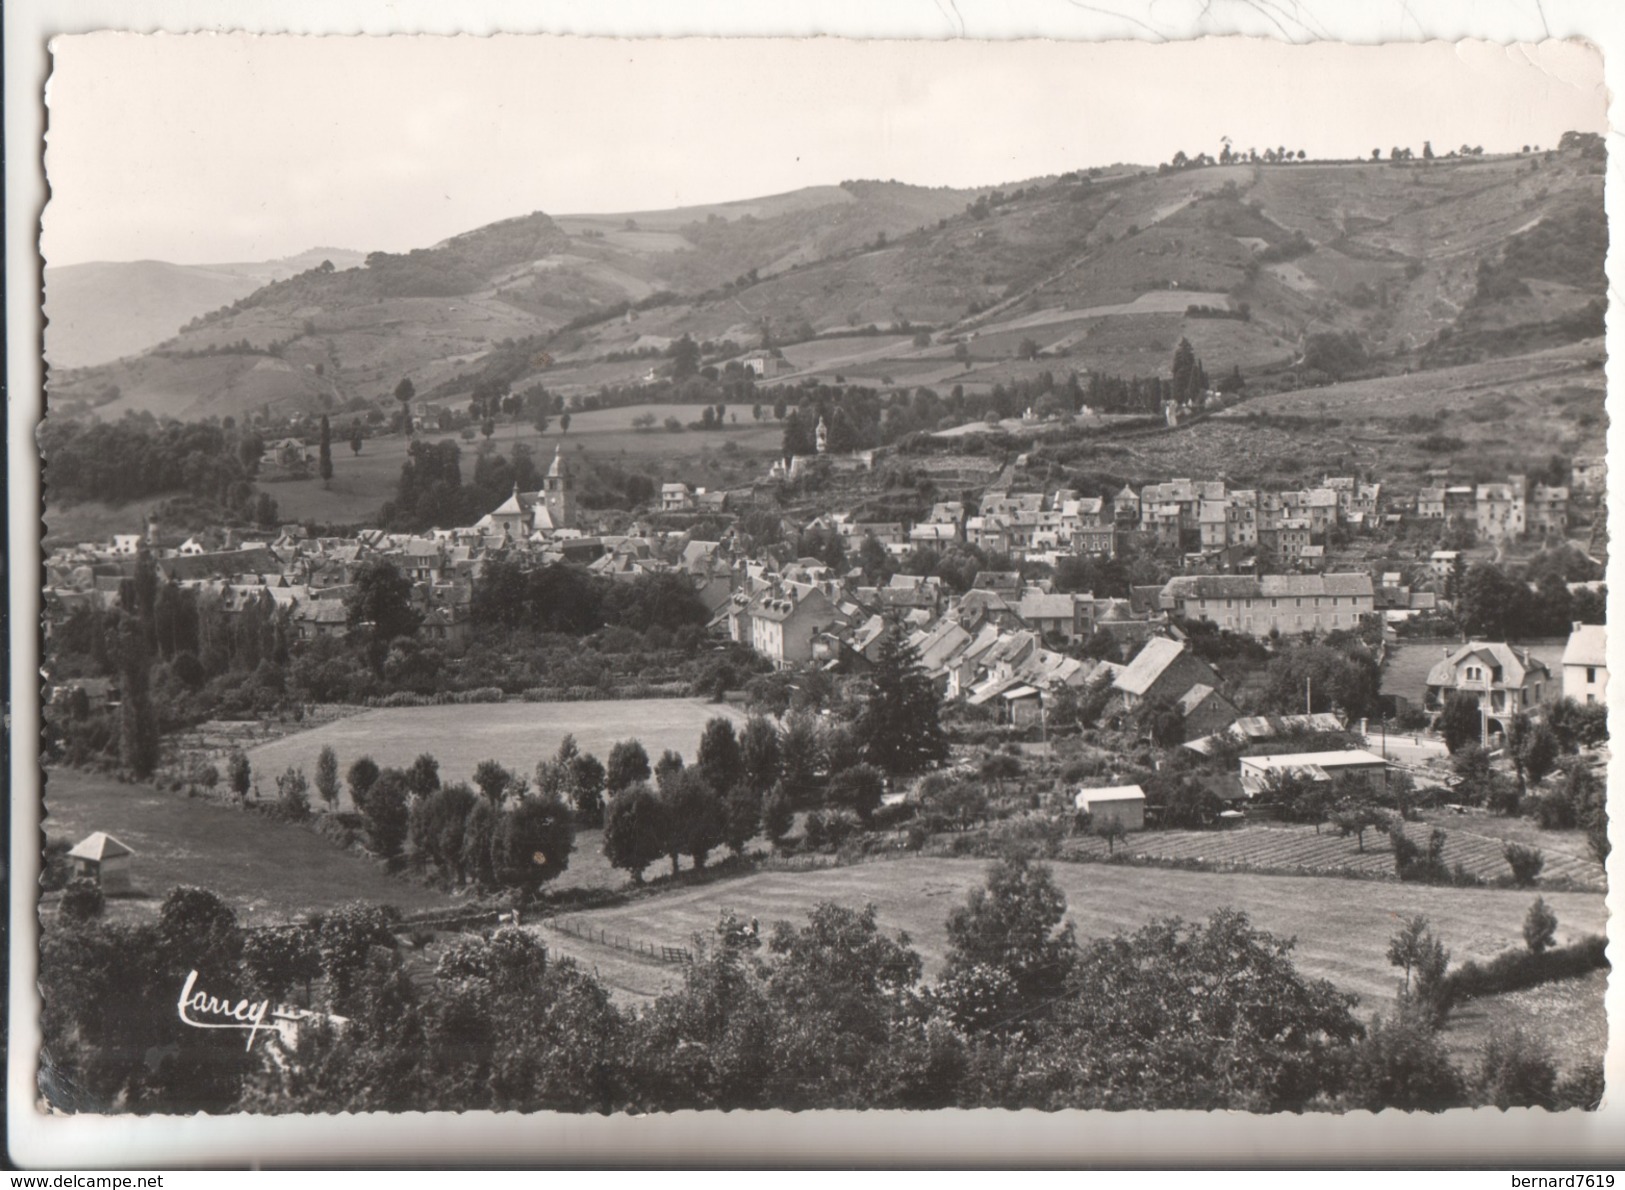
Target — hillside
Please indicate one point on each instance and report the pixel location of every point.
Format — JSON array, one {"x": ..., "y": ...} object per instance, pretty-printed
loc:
[
  {"x": 105, "y": 310},
  {"x": 1426, "y": 265}
]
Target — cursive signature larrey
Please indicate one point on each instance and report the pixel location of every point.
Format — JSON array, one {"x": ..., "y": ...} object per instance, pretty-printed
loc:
[{"x": 245, "y": 1014}]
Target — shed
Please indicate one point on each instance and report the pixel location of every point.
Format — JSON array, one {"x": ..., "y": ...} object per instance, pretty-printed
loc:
[
  {"x": 102, "y": 858},
  {"x": 1123, "y": 803}
]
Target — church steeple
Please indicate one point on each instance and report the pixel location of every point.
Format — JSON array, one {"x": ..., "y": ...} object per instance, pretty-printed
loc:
[{"x": 559, "y": 492}]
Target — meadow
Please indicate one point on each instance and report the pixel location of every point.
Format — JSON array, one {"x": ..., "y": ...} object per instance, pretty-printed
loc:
[
  {"x": 517, "y": 734},
  {"x": 1342, "y": 929},
  {"x": 362, "y": 483},
  {"x": 1474, "y": 841},
  {"x": 267, "y": 871}
]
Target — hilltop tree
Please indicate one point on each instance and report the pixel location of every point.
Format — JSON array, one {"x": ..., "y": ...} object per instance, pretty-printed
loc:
[
  {"x": 900, "y": 725},
  {"x": 404, "y": 392},
  {"x": 324, "y": 466},
  {"x": 685, "y": 358}
]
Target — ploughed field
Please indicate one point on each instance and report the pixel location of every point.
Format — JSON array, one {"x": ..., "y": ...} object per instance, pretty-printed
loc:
[
  {"x": 1342, "y": 926},
  {"x": 516, "y": 734}
]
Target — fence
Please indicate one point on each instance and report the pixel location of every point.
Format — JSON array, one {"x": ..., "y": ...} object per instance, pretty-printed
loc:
[{"x": 596, "y": 934}]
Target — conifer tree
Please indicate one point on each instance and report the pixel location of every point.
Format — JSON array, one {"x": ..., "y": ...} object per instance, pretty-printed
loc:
[{"x": 899, "y": 725}]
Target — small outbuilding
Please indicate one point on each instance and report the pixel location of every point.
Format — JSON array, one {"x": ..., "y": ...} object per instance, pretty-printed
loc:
[
  {"x": 102, "y": 858},
  {"x": 1124, "y": 804}
]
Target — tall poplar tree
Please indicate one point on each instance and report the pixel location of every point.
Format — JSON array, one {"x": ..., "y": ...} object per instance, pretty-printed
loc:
[{"x": 325, "y": 459}]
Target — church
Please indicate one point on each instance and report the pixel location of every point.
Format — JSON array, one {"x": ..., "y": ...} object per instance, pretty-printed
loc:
[{"x": 524, "y": 514}]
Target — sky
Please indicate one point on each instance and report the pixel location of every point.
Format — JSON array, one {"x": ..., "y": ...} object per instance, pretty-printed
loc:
[{"x": 215, "y": 148}]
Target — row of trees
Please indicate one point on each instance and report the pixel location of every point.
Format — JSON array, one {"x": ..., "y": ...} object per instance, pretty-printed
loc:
[{"x": 829, "y": 1013}]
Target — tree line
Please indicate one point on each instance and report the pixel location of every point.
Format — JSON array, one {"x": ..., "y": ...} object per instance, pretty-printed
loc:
[{"x": 831, "y": 1012}]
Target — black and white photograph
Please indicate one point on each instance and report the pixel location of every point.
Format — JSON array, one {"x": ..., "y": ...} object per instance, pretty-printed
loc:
[{"x": 612, "y": 577}]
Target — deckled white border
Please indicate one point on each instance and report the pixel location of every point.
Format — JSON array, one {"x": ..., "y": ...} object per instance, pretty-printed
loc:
[{"x": 1518, "y": 1139}]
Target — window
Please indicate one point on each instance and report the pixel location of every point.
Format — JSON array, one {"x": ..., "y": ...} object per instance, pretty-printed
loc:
[{"x": 1591, "y": 674}]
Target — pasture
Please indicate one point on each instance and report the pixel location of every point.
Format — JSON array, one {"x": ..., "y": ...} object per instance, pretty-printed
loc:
[
  {"x": 362, "y": 483},
  {"x": 1569, "y": 1015},
  {"x": 517, "y": 734},
  {"x": 1473, "y": 840},
  {"x": 1342, "y": 928},
  {"x": 268, "y": 871}
]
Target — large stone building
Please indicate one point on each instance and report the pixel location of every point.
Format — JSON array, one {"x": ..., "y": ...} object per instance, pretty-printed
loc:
[{"x": 1283, "y": 603}]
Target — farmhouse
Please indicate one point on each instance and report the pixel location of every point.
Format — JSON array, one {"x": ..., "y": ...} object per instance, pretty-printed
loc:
[
  {"x": 1585, "y": 664},
  {"x": 1122, "y": 804},
  {"x": 102, "y": 858},
  {"x": 1256, "y": 771}
]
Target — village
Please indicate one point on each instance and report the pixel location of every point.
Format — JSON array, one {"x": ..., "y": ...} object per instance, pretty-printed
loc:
[
  {"x": 1252, "y": 563},
  {"x": 838, "y": 647}
]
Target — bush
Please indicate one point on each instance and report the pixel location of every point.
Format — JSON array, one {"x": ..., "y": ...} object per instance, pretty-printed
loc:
[
  {"x": 1516, "y": 1070},
  {"x": 1526, "y": 863},
  {"x": 82, "y": 900},
  {"x": 889, "y": 817},
  {"x": 1539, "y": 927},
  {"x": 1514, "y": 970},
  {"x": 828, "y": 829}
]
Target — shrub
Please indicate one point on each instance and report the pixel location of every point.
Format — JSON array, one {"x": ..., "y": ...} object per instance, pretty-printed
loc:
[
  {"x": 1516, "y": 1070},
  {"x": 829, "y": 829},
  {"x": 82, "y": 900},
  {"x": 1403, "y": 1064},
  {"x": 1539, "y": 927},
  {"x": 1526, "y": 863},
  {"x": 1514, "y": 970},
  {"x": 293, "y": 795},
  {"x": 892, "y": 816}
]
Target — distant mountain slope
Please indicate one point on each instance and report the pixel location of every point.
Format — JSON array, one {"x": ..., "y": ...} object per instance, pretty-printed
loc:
[
  {"x": 105, "y": 310},
  {"x": 1438, "y": 263}
]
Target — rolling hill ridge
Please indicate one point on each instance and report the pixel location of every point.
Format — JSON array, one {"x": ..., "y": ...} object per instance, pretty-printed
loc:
[{"x": 1424, "y": 264}]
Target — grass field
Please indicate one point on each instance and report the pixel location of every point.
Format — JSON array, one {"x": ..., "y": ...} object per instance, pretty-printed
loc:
[
  {"x": 269, "y": 871},
  {"x": 1474, "y": 841},
  {"x": 361, "y": 483},
  {"x": 1569, "y": 1015},
  {"x": 1342, "y": 928},
  {"x": 518, "y": 734}
]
